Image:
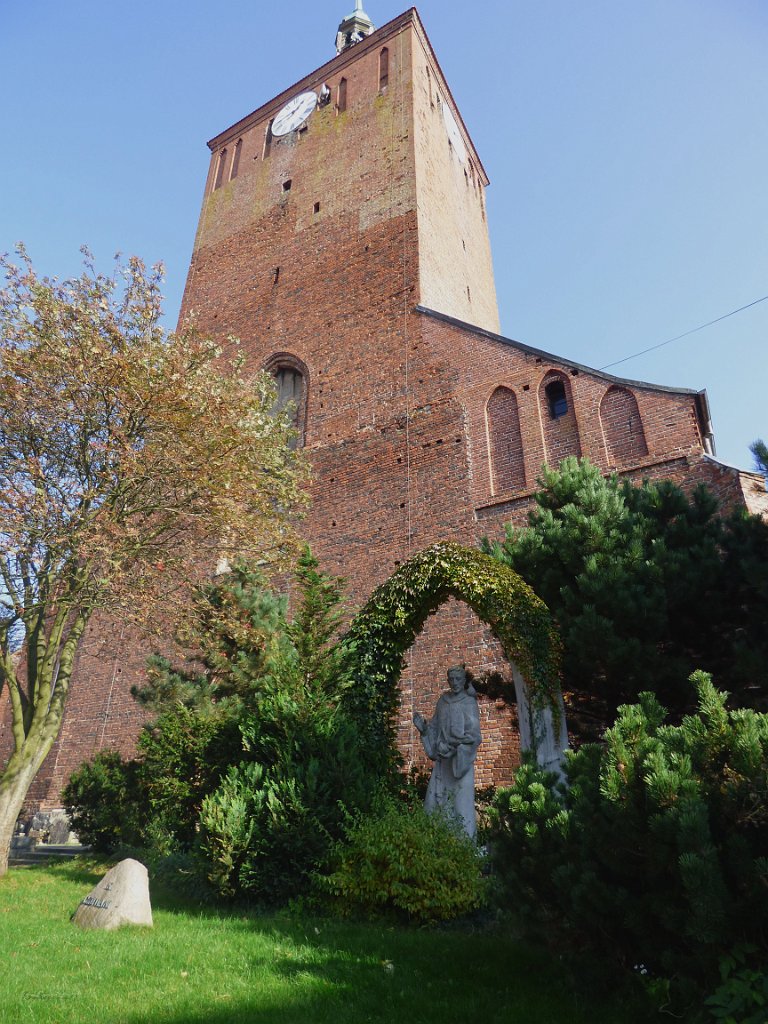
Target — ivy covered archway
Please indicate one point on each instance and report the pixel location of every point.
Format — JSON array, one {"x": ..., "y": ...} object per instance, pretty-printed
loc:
[{"x": 387, "y": 625}]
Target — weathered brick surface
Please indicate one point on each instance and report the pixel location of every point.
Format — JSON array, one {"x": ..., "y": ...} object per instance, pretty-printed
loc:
[{"x": 420, "y": 427}]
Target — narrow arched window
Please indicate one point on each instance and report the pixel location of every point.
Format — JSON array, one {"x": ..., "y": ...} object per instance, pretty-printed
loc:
[
  {"x": 622, "y": 427},
  {"x": 558, "y": 420},
  {"x": 291, "y": 380},
  {"x": 268, "y": 139},
  {"x": 220, "y": 168},
  {"x": 505, "y": 446},
  {"x": 341, "y": 96},
  {"x": 383, "y": 69},
  {"x": 557, "y": 402},
  {"x": 236, "y": 159}
]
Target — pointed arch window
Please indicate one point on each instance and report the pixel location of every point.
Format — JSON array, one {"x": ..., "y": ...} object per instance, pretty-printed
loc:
[
  {"x": 505, "y": 445},
  {"x": 558, "y": 419},
  {"x": 383, "y": 69},
  {"x": 622, "y": 425}
]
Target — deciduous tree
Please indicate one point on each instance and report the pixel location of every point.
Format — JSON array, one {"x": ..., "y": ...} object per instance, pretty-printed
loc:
[{"x": 131, "y": 461}]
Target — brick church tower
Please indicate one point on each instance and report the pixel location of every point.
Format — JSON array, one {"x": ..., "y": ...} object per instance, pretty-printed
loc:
[{"x": 343, "y": 240}]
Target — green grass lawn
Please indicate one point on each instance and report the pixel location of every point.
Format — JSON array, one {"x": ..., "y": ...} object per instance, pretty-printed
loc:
[{"x": 209, "y": 966}]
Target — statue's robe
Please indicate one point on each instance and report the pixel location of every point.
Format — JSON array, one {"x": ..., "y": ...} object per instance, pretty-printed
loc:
[{"x": 451, "y": 739}]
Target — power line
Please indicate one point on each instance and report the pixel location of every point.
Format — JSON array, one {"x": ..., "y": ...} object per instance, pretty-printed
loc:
[{"x": 685, "y": 333}]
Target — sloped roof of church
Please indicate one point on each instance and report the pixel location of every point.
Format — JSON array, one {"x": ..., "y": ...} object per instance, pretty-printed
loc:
[{"x": 551, "y": 357}]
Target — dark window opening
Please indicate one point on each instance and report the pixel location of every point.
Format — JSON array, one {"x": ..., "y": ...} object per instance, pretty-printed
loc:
[
  {"x": 268, "y": 139},
  {"x": 287, "y": 185},
  {"x": 290, "y": 395},
  {"x": 383, "y": 69},
  {"x": 316, "y": 208},
  {"x": 556, "y": 399},
  {"x": 236, "y": 159},
  {"x": 220, "y": 169},
  {"x": 341, "y": 96}
]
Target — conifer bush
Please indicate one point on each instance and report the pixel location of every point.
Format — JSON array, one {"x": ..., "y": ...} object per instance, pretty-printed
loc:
[
  {"x": 655, "y": 852},
  {"x": 646, "y": 584},
  {"x": 254, "y": 759}
]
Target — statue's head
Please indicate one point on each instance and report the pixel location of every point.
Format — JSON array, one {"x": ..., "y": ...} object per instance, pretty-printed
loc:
[{"x": 457, "y": 678}]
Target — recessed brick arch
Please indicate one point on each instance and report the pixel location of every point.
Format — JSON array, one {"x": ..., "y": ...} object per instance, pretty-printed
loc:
[
  {"x": 386, "y": 626},
  {"x": 558, "y": 418},
  {"x": 505, "y": 445},
  {"x": 622, "y": 425}
]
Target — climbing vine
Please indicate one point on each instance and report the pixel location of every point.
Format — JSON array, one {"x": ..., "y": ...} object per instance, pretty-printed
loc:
[{"x": 395, "y": 613}]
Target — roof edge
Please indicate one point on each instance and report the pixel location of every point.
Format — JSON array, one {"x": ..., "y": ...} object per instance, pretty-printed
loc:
[{"x": 530, "y": 350}]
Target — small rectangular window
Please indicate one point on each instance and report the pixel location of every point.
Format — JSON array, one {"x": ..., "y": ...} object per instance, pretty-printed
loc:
[
  {"x": 287, "y": 185},
  {"x": 341, "y": 96},
  {"x": 316, "y": 208}
]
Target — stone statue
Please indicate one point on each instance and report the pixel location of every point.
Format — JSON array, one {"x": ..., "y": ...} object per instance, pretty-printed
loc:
[{"x": 451, "y": 738}]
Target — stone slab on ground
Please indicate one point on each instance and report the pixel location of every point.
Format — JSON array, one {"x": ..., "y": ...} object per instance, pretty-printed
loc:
[{"x": 121, "y": 897}]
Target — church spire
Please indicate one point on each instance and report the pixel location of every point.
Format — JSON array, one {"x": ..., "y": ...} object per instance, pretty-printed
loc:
[{"x": 353, "y": 28}]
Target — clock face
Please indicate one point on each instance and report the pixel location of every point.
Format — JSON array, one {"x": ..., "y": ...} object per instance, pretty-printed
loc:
[
  {"x": 294, "y": 114},
  {"x": 454, "y": 135}
]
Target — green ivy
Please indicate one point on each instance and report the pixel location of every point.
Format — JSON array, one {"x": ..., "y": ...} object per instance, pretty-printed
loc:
[{"x": 389, "y": 622}]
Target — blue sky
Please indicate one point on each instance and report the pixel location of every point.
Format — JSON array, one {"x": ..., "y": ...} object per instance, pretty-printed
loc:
[{"x": 626, "y": 145}]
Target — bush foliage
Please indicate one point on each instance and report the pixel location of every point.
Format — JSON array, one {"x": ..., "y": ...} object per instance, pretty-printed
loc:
[
  {"x": 407, "y": 863},
  {"x": 655, "y": 853},
  {"x": 104, "y": 799}
]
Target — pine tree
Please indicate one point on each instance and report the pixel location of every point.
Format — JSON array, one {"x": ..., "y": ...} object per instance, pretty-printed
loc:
[
  {"x": 647, "y": 584},
  {"x": 759, "y": 450}
]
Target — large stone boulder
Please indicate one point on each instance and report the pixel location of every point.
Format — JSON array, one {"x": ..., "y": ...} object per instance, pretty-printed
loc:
[{"x": 121, "y": 897}]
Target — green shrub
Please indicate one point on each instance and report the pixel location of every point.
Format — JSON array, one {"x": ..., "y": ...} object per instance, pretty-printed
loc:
[
  {"x": 302, "y": 763},
  {"x": 271, "y": 823},
  {"x": 103, "y": 800},
  {"x": 404, "y": 861},
  {"x": 655, "y": 853},
  {"x": 183, "y": 756},
  {"x": 742, "y": 996},
  {"x": 257, "y": 836}
]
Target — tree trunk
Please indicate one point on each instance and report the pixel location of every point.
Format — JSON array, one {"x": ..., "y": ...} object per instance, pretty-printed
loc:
[{"x": 14, "y": 786}]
